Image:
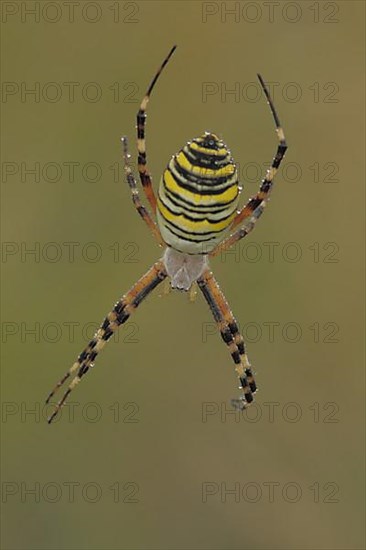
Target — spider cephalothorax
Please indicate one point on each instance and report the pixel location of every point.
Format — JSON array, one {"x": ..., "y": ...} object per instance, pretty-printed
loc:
[{"x": 196, "y": 206}]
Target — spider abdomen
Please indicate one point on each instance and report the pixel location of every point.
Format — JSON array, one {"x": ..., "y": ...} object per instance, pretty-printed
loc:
[{"x": 198, "y": 195}]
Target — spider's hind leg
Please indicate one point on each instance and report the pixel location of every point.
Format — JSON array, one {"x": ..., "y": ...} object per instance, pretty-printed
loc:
[
  {"x": 230, "y": 334},
  {"x": 115, "y": 318}
]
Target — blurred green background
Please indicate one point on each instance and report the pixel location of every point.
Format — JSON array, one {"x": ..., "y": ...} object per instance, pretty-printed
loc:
[{"x": 147, "y": 456}]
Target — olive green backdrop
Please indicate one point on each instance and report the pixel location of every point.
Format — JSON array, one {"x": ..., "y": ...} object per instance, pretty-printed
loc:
[{"x": 149, "y": 454}]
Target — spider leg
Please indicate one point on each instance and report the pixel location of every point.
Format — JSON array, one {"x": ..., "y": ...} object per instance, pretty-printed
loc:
[
  {"x": 145, "y": 176},
  {"x": 119, "y": 315},
  {"x": 229, "y": 332},
  {"x": 136, "y": 196},
  {"x": 256, "y": 204}
]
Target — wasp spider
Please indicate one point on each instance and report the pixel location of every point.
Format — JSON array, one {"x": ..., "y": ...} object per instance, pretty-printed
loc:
[{"x": 196, "y": 205}]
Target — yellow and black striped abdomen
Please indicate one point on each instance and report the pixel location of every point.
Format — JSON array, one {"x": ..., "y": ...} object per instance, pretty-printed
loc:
[{"x": 198, "y": 195}]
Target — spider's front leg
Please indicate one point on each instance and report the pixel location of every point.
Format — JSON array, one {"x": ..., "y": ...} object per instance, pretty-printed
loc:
[
  {"x": 115, "y": 318},
  {"x": 255, "y": 206},
  {"x": 230, "y": 334},
  {"x": 130, "y": 178},
  {"x": 143, "y": 169}
]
